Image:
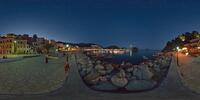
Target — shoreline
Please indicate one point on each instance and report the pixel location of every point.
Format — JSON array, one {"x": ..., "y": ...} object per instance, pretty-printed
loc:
[{"x": 125, "y": 88}]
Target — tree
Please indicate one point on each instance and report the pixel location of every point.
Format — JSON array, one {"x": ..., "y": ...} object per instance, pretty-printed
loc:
[
  {"x": 181, "y": 40},
  {"x": 182, "y": 37}
]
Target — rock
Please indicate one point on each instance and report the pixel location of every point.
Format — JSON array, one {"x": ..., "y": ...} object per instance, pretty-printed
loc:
[
  {"x": 98, "y": 62},
  {"x": 105, "y": 86},
  {"x": 100, "y": 69},
  {"x": 83, "y": 73},
  {"x": 164, "y": 63},
  {"x": 137, "y": 72},
  {"x": 103, "y": 78},
  {"x": 130, "y": 69},
  {"x": 109, "y": 68},
  {"x": 150, "y": 64},
  {"x": 92, "y": 78},
  {"x": 82, "y": 66},
  {"x": 121, "y": 74},
  {"x": 130, "y": 76},
  {"x": 87, "y": 70},
  {"x": 90, "y": 64},
  {"x": 119, "y": 79},
  {"x": 142, "y": 72},
  {"x": 82, "y": 61},
  {"x": 156, "y": 67},
  {"x": 136, "y": 85},
  {"x": 119, "y": 82}
]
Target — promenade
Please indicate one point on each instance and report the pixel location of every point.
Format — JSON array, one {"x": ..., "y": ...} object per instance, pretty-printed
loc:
[{"x": 74, "y": 89}]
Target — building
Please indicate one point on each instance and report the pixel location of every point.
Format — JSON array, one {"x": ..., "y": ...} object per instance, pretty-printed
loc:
[
  {"x": 22, "y": 47},
  {"x": 6, "y": 45},
  {"x": 61, "y": 46},
  {"x": 193, "y": 46},
  {"x": 11, "y": 45},
  {"x": 10, "y": 35}
]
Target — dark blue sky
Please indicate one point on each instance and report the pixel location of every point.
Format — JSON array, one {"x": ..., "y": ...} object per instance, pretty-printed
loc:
[{"x": 144, "y": 23}]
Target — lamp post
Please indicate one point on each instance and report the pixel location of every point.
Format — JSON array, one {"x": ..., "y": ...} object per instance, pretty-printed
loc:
[
  {"x": 177, "y": 55},
  {"x": 15, "y": 46},
  {"x": 67, "y": 45}
]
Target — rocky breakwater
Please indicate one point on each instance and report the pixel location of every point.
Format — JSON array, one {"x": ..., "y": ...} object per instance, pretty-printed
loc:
[{"x": 126, "y": 77}]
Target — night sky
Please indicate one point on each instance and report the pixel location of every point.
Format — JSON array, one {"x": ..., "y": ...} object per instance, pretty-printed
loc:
[{"x": 143, "y": 23}]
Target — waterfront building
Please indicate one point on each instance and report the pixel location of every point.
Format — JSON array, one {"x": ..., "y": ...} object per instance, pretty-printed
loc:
[
  {"x": 10, "y": 45},
  {"x": 193, "y": 46}
]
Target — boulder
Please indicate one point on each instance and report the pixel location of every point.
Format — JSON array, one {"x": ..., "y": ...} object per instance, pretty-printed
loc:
[
  {"x": 150, "y": 64},
  {"x": 121, "y": 74},
  {"x": 82, "y": 61},
  {"x": 130, "y": 76},
  {"x": 156, "y": 67},
  {"x": 83, "y": 73},
  {"x": 103, "y": 78},
  {"x": 142, "y": 72},
  {"x": 92, "y": 77},
  {"x": 109, "y": 68},
  {"x": 90, "y": 64},
  {"x": 164, "y": 63},
  {"x": 98, "y": 62},
  {"x": 137, "y": 85},
  {"x": 119, "y": 79},
  {"x": 119, "y": 82},
  {"x": 88, "y": 70},
  {"x": 137, "y": 73},
  {"x": 100, "y": 69},
  {"x": 130, "y": 69},
  {"x": 105, "y": 86}
]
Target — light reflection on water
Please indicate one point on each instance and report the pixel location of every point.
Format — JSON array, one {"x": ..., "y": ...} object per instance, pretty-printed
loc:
[{"x": 134, "y": 57}]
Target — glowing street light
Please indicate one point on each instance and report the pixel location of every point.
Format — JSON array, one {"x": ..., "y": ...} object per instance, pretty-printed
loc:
[
  {"x": 184, "y": 48},
  {"x": 186, "y": 53},
  {"x": 15, "y": 49},
  {"x": 178, "y": 49}
]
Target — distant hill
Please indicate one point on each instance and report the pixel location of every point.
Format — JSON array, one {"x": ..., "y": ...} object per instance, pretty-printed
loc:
[{"x": 112, "y": 47}]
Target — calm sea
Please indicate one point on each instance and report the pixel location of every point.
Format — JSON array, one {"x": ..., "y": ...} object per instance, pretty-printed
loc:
[{"x": 134, "y": 58}]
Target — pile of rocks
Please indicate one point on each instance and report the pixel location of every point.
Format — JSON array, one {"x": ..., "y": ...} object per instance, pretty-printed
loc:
[{"x": 105, "y": 76}]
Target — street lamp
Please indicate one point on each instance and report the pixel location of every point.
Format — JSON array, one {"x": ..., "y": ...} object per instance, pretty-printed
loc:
[
  {"x": 178, "y": 49},
  {"x": 15, "y": 46},
  {"x": 67, "y": 45}
]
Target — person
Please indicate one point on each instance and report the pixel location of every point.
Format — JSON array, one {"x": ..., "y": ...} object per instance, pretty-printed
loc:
[
  {"x": 46, "y": 59},
  {"x": 67, "y": 58},
  {"x": 66, "y": 67}
]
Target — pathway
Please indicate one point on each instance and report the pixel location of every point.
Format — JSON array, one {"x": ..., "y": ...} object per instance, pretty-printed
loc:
[{"x": 75, "y": 89}]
